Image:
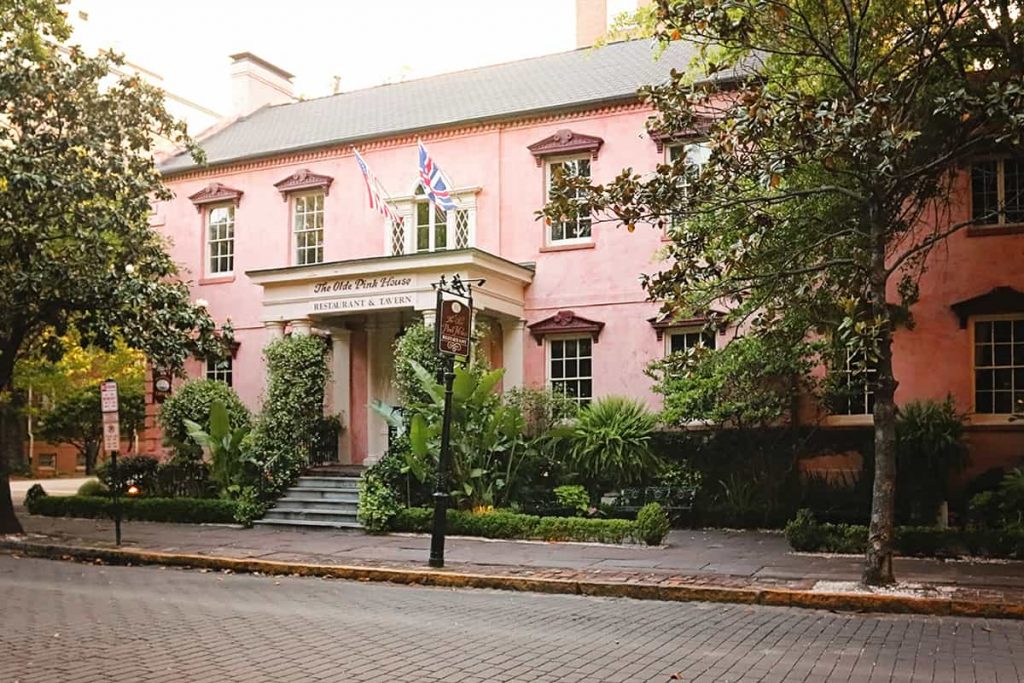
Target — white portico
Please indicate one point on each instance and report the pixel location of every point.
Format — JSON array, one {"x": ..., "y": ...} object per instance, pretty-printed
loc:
[{"x": 365, "y": 304}]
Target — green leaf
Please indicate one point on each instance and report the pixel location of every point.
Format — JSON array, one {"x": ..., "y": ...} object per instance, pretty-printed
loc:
[
  {"x": 463, "y": 385},
  {"x": 487, "y": 384},
  {"x": 477, "y": 472},
  {"x": 220, "y": 426},
  {"x": 418, "y": 435}
]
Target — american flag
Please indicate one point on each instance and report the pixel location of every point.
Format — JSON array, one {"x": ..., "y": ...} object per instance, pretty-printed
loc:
[
  {"x": 375, "y": 190},
  {"x": 435, "y": 184}
]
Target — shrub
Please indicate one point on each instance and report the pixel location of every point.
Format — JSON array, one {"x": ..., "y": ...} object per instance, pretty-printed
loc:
[
  {"x": 288, "y": 428},
  {"x": 574, "y": 497},
  {"x": 511, "y": 525},
  {"x": 804, "y": 533},
  {"x": 132, "y": 469},
  {"x": 223, "y": 443},
  {"x": 250, "y": 506},
  {"x": 93, "y": 487},
  {"x": 34, "y": 493},
  {"x": 183, "y": 478},
  {"x": 192, "y": 401},
  {"x": 378, "y": 503},
  {"x": 611, "y": 444},
  {"x": 177, "y": 510},
  {"x": 929, "y": 449},
  {"x": 652, "y": 524}
]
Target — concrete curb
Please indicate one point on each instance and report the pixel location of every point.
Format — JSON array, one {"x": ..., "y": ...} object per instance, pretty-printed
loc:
[{"x": 845, "y": 602}]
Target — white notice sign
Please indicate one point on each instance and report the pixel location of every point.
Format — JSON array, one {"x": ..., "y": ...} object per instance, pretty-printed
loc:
[
  {"x": 111, "y": 436},
  {"x": 108, "y": 396}
]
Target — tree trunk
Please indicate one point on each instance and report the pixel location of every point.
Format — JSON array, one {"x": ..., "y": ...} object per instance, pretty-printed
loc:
[
  {"x": 10, "y": 439},
  {"x": 878, "y": 562},
  {"x": 91, "y": 451},
  {"x": 878, "y": 559}
]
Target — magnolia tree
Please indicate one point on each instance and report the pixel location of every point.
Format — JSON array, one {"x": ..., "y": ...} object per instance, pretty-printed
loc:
[
  {"x": 76, "y": 181},
  {"x": 837, "y": 131}
]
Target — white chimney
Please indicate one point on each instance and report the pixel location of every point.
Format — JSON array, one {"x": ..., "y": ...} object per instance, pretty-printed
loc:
[{"x": 256, "y": 83}]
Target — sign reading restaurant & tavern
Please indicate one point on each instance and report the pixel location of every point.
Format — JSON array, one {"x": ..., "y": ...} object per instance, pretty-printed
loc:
[{"x": 357, "y": 294}]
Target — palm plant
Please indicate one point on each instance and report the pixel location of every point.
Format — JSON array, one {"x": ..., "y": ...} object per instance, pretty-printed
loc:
[
  {"x": 610, "y": 444},
  {"x": 223, "y": 443}
]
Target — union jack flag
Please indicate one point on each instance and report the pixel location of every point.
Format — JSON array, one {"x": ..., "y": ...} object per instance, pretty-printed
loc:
[
  {"x": 378, "y": 196},
  {"x": 435, "y": 184}
]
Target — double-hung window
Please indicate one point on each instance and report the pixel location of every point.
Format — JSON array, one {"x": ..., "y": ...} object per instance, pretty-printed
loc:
[
  {"x": 997, "y": 192},
  {"x": 855, "y": 385},
  {"x": 572, "y": 229},
  {"x": 434, "y": 228},
  {"x": 999, "y": 365},
  {"x": 220, "y": 370},
  {"x": 684, "y": 339},
  {"x": 570, "y": 367},
  {"x": 220, "y": 240},
  {"x": 696, "y": 154},
  {"x": 308, "y": 222}
]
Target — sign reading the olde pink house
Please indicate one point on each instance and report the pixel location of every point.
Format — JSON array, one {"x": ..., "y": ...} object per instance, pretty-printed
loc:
[
  {"x": 455, "y": 325},
  {"x": 362, "y": 293}
]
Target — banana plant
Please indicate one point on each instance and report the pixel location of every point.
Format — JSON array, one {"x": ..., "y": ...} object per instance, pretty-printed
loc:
[
  {"x": 222, "y": 443},
  {"x": 487, "y": 443}
]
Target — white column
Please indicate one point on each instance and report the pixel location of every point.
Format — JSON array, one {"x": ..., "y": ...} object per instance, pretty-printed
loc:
[
  {"x": 428, "y": 316},
  {"x": 373, "y": 421},
  {"x": 513, "y": 333},
  {"x": 341, "y": 389},
  {"x": 275, "y": 330},
  {"x": 302, "y": 326}
]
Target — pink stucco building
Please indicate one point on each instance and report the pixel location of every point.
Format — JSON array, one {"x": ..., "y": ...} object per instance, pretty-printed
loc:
[{"x": 276, "y": 233}]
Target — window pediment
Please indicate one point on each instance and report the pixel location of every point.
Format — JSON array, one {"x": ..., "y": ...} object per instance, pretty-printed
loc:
[
  {"x": 563, "y": 142},
  {"x": 996, "y": 301},
  {"x": 701, "y": 127},
  {"x": 214, "y": 193},
  {"x": 668, "y": 321},
  {"x": 565, "y": 322},
  {"x": 304, "y": 179}
]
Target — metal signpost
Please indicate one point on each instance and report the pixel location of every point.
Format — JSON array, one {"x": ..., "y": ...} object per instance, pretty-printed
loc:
[
  {"x": 112, "y": 443},
  {"x": 453, "y": 327}
]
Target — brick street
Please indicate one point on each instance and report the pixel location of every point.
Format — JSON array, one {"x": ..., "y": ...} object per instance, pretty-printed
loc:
[{"x": 61, "y": 621}]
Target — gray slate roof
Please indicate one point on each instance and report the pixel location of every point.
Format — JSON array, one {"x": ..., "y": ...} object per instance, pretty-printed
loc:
[{"x": 561, "y": 81}]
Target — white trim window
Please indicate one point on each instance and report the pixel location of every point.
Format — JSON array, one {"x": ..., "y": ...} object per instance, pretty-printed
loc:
[
  {"x": 220, "y": 240},
  {"x": 696, "y": 153},
  {"x": 997, "y": 191},
  {"x": 308, "y": 226},
  {"x": 570, "y": 367},
  {"x": 999, "y": 365},
  {"x": 574, "y": 230},
  {"x": 856, "y": 380},
  {"x": 220, "y": 370},
  {"x": 683, "y": 339},
  {"x": 429, "y": 228}
]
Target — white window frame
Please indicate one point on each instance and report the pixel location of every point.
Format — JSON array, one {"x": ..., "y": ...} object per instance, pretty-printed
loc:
[
  {"x": 466, "y": 200},
  {"x": 1000, "y": 163},
  {"x": 41, "y": 466},
  {"x": 1012, "y": 368},
  {"x": 670, "y": 150},
  {"x": 685, "y": 330},
  {"x": 865, "y": 397},
  {"x": 548, "y": 357},
  {"x": 208, "y": 257},
  {"x": 549, "y": 237},
  {"x": 318, "y": 247},
  {"x": 220, "y": 373}
]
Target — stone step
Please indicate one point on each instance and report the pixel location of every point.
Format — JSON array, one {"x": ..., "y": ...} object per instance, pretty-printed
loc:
[
  {"x": 339, "y": 495},
  {"x": 312, "y": 515},
  {"x": 290, "y": 504},
  {"x": 308, "y": 523},
  {"x": 350, "y": 483}
]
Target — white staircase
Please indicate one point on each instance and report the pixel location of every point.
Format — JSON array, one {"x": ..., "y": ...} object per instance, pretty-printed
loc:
[{"x": 317, "y": 500}]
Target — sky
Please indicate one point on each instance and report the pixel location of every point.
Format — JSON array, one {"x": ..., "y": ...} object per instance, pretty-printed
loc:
[{"x": 364, "y": 43}]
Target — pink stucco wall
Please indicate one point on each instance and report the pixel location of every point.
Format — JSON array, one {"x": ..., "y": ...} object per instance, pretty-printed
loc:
[{"x": 599, "y": 282}]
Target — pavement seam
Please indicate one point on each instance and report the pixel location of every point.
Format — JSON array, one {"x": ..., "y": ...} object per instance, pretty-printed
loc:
[{"x": 845, "y": 602}]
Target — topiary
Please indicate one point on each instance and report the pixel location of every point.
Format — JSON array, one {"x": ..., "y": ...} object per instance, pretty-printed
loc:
[
  {"x": 652, "y": 524},
  {"x": 192, "y": 401},
  {"x": 93, "y": 487},
  {"x": 34, "y": 493}
]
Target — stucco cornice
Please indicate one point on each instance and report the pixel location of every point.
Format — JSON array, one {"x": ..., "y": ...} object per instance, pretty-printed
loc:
[{"x": 321, "y": 152}]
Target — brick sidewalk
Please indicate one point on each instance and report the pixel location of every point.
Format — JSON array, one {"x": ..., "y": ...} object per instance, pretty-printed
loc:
[{"x": 706, "y": 560}]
